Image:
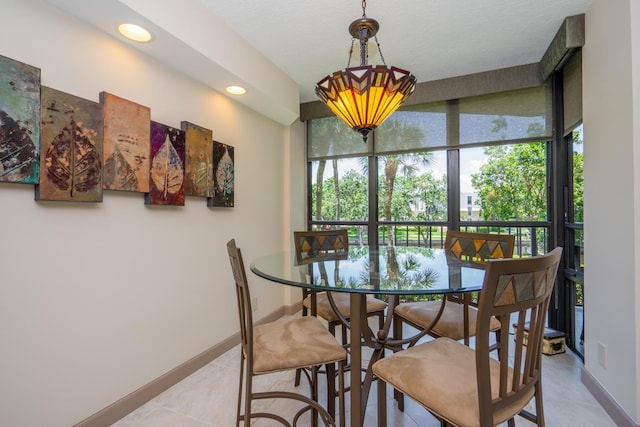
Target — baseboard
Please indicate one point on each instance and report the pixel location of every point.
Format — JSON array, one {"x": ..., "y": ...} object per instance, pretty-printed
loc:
[
  {"x": 139, "y": 397},
  {"x": 293, "y": 309},
  {"x": 611, "y": 407}
]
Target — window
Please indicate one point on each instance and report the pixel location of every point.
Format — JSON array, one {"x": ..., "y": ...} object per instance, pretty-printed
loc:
[
  {"x": 508, "y": 181},
  {"x": 412, "y": 187},
  {"x": 477, "y": 164},
  {"x": 574, "y": 242},
  {"x": 339, "y": 189}
]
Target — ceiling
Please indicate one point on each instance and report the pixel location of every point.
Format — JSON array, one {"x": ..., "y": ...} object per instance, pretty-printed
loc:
[{"x": 296, "y": 43}]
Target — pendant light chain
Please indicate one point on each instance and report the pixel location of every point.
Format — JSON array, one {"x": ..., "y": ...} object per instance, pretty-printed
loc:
[
  {"x": 380, "y": 50},
  {"x": 364, "y": 46},
  {"x": 364, "y": 15},
  {"x": 364, "y": 96},
  {"x": 353, "y": 40}
]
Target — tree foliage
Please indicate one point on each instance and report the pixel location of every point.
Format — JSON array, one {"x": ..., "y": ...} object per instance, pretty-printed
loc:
[
  {"x": 352, "y": 193},
  {"x": 334, "y": 133},
  {"x": 578, "y": 180},
  {"x": 511, "y": 185},
  {"x": 395, "y": 131}
]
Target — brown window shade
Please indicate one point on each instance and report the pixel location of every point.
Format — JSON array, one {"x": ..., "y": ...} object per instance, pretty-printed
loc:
[
  {"x": 506, "y": 116},
  {"x": 330, "y": 137},
  {"x": 572, "y": 91},
  {"x": 516, "y": 115},
  {"x": 417, "y": 127}
]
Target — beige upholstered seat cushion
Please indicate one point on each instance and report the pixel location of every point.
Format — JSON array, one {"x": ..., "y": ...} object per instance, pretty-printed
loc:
[
  {"x": 450, "y": 324},
  {"x": 293, "y": 343},
  {"x": 343, "y": 301},
  {"x": 441, "y": 376}
]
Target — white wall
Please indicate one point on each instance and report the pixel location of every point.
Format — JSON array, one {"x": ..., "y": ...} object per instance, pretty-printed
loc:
[
  {"x": 295, "y": 189},
  {"x": 611, "y": 198},
  {"x": 96, "y": 300}
]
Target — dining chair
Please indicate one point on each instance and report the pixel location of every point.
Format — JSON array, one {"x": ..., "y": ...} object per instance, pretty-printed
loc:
[
  {"x": 311, "y": 245},
  {"x": 466, "y": 387},
  {"x": 459, "y": 316},
  {"x": 290, "y": 343}
]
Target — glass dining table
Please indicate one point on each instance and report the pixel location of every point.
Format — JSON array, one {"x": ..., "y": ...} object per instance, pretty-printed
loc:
[{"x": 390, "y": 273}]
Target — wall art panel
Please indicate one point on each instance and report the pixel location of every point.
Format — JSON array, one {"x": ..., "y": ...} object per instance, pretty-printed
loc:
[
  {"x": 166, "y": 178},
  {"x": 19, "y": 121},
  {"x": 223, "y": 175},
  {"x": 126, "y": 144},
  {"x": 199, "y": 160},
  {"x": 71, "y": 147}
]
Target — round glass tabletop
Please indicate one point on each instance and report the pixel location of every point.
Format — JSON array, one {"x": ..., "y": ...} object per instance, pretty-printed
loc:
[{"x": 405, "y": 270}]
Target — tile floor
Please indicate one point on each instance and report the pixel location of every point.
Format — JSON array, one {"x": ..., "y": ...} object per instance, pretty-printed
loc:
[{"x": 208, "y": 398}]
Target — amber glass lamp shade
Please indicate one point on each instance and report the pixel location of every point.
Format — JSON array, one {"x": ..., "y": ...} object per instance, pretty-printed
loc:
[{"x": 363, "y": 97}]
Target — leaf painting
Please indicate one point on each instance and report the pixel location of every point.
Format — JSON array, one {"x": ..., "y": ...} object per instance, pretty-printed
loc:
[
  {"x": 118, "y": 173},
  {"x": 126, "y": 144},
  {"x": 71, "y": 148},
  {"x": 223, "y": 175},
  {"x": 71, "y": 161},
  {"x": 19, "y": 121},
  {"x": 167, "y": 170},
  {"x": 199, "y": 160}
]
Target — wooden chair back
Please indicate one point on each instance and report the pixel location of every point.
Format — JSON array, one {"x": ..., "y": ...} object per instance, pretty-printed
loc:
[
  {"x": 478, "y": 247},
  {"x": 475, "y": 248},
  {"x": 520, "y": 290},
  {"x": 320, "y": 244},
  {"x": 243, "y": 299}
]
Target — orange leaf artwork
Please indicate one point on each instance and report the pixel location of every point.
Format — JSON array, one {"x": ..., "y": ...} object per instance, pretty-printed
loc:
[
  {"x": 199, "y": 163},
  {"x": 126, "y": 144}
]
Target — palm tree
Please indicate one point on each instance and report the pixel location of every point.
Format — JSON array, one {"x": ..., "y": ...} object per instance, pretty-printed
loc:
[
  {"x": 334, "y": 133},
  {"x": 407, "y": 164}
]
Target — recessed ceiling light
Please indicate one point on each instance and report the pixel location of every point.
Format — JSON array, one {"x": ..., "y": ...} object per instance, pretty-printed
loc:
[
  {"x": 135, "y": 32},
  {"x": 236, "y": 90}
]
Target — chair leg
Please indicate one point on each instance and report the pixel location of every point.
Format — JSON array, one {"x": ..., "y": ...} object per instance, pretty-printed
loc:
[
  {"x": 331, "y": 389},
  {"x": 331, "y": 326},
  {"x": 538, "y": 417},
  {"x": 240, "y": 391},
  {"x": 539, "y": 406},
  {"x": 248, "y": 393},
  {"x": 342, "y": 391},
  {"x": 397, "y": 334},
  {"x": 314, "y": 394},
  {"x": 297, "y": 380},
  {"x": 382, "y": 403}
]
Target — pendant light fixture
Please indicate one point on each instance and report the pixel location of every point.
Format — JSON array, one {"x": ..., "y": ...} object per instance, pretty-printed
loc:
[{"x": 364, "y": 96}]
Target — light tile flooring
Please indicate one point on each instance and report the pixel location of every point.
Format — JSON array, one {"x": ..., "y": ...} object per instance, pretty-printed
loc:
[{"x": 208, "y": 398}]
